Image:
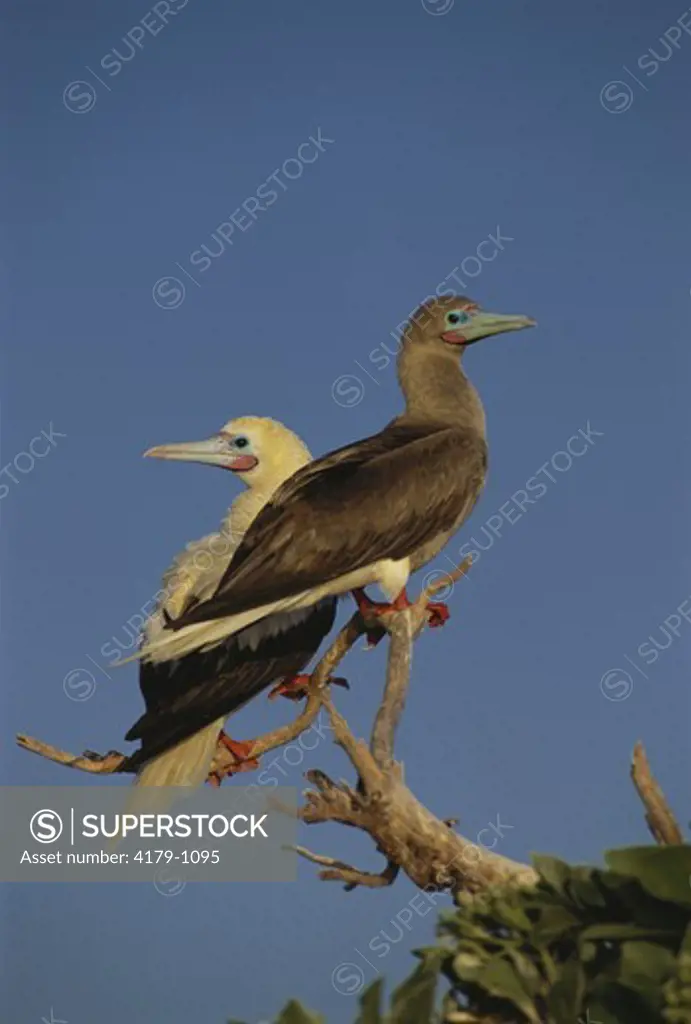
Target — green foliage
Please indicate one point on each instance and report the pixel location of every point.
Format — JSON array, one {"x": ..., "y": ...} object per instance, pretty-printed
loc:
[
  {"x": 590, "y": 945},
  {"x": 585, "y": 944}
]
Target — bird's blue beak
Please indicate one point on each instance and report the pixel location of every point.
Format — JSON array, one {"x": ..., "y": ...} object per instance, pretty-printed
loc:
[{"x": 482, "y": 324}]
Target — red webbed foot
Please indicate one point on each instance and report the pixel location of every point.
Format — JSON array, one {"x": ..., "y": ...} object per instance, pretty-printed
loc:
[
  {"x": 295, "y": 687},
  {"x": 291, "y": 687},
  {"x": 369, "y": 608},
  {"x": 439, "y": 614},
  {"x": 240, "y": 749}
]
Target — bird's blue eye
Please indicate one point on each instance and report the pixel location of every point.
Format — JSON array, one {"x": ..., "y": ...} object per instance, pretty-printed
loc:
[
  {"x": 457, "y": 316},
  {"x": 241, "y": 442}
]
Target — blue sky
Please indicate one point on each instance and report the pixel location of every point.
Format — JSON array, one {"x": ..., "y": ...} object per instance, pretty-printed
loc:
[{"x": 563, "y": 128}]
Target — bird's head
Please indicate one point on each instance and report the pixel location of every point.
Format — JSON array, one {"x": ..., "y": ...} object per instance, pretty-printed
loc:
[
  {"x": 451, "y": 323},
  {"x": 260, "y": 451}
]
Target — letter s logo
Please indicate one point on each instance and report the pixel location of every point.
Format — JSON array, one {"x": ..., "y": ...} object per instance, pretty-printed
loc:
[{"x": 46, "y": 826}]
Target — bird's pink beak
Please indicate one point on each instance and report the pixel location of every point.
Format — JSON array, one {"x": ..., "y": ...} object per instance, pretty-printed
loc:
[
  {"x": 243, "y": 463},
  {"x": 213, "y": 452}
]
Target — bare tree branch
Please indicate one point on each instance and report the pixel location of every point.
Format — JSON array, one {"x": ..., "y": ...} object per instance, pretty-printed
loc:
[
  {"x": 405, "y": 832},
  {"x": 396, "y": 690},
  {"x": 408, "y": 835},
  {"x": 96, "y": 764},
  {"x": 658, "y": 815},
  {"x": 403, "y": 628},
  {"x": 337, "y": 871},
  {"x": 319, "y": 679}
]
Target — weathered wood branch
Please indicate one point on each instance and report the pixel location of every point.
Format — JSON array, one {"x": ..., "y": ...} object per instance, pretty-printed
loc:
[
  {"x": 658, "y": 815},
  {"x": 89, "y": 761},
  {"x": 408, "y": 835},
  {"x": 403, "y": 629},
  {"x": 411, "y": 838},
  {"x": 396, "y": 690},
  {"x": 338, "y": 871}
]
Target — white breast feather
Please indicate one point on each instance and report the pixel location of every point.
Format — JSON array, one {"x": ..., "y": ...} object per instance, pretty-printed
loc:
[{"x": 197, "y": 571}]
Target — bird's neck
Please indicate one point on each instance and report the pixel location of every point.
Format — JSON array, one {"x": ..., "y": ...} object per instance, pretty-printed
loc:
[
  {"x": 437, "y": 390},
  {"x": 244, "y": 509}
]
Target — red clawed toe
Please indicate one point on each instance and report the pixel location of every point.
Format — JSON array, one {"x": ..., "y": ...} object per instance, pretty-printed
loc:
[
  {"x": 439, "y": 614},
  {"x": 369, "y": 608},
  {"x": 242, "y": 762},
  {"x": 291, "y": 687},
  {"x": 295, "y": 687},
  {"x": 240, "y": 749}
]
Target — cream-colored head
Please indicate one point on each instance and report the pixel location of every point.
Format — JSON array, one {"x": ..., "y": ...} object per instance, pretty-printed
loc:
[{"x": 260, "y": 451}]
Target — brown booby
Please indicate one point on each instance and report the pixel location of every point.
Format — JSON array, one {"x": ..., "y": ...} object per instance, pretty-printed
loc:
[
  {"x": 188, "y": 699},
  {"x": 371, "y": 512}
]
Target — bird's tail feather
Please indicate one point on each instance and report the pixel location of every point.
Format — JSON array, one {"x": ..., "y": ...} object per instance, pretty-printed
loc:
[
  {"x": 173, "y": 644},
  {"x": 186, "y": 764}
]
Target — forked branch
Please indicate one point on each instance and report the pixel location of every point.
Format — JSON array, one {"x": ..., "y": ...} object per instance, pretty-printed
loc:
[{"x": 408, "y": 835}]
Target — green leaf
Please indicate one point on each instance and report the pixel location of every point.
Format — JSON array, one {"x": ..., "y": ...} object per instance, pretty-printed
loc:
[
  {"x": 644, "y": 962},
  {"x": 467, "y": 964},
  {"x": 677, "y": 991},
  {"x": 597, "y": 1013},
  {"x": 294, "y": 1013},
  {"x": 616, "y": 932},
  {"x": 685, "y": 948},
  {"x": 565, "y": 998},
  {"x": 462, "y": 927},
  {"x": 555, "y": 872},
  {"x": 370, "y": 1002},
  {"x": 502, "y": 980},
  {"x": 588, "y": 952},
  {"x": 623, "y": 1005},
  {"x": 635, "y": 905},
  {"x": 530, "y": 976},
  {"x": 583, "y": 890},
  {"x": 554, "y": 922},
  {"x": 514, "y": 916},
  {"x": 413, "y": 1001},
  {"x": 663, "y": 871},
  {"x": 632, "y": 988}
]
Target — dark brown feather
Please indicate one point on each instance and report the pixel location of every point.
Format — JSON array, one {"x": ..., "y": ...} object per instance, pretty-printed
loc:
[
  {"x": 401, "y": 488},
  {"x": 183, "y": 696}
]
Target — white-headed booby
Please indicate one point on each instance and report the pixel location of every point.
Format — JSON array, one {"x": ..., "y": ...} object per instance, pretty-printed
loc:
[{"x": 188, "y": 699}]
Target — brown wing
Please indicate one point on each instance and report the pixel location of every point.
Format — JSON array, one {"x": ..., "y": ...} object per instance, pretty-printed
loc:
[
  {"x": 184, "y": 695},
  {"x": 381, "y": 498}
]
